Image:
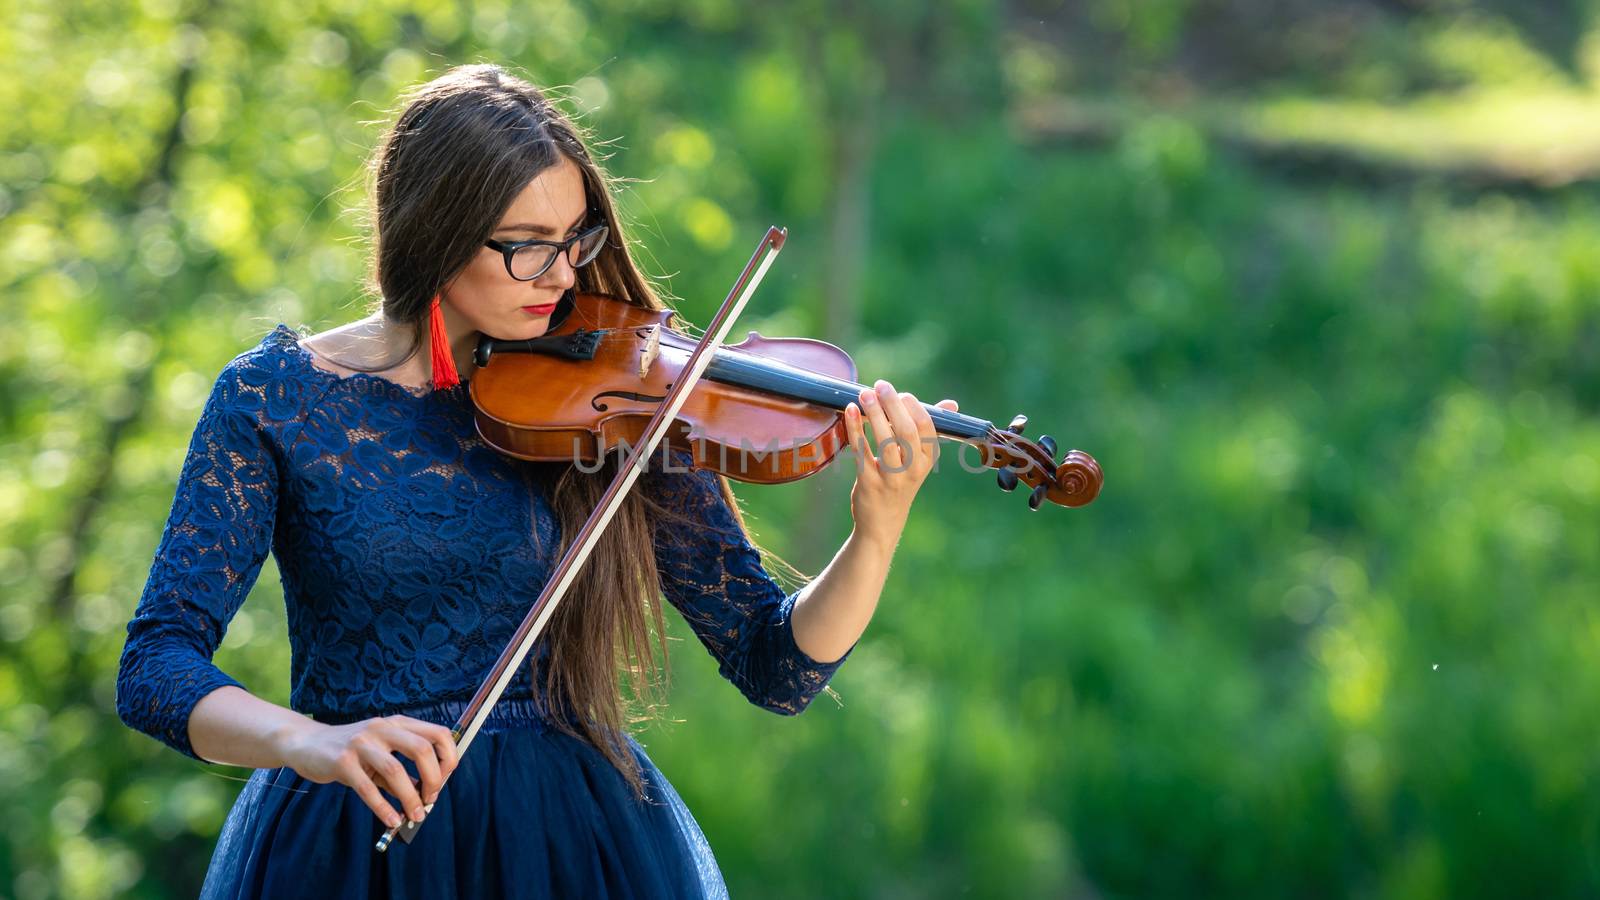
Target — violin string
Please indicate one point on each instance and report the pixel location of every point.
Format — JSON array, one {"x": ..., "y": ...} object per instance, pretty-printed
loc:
[
  {"x": 743, "y": 370},
  {"x": 825, "y": 389}
]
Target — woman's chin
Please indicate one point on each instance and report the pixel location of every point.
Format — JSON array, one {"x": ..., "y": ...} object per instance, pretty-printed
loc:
[{"x": 521, "y": 331}]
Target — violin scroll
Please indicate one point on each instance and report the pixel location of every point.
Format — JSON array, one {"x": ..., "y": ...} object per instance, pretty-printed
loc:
[{"x": 1079, "y": 478}]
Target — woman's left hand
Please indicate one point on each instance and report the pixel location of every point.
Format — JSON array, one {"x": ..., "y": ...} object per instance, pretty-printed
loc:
[{"x": 907, "y": 448}]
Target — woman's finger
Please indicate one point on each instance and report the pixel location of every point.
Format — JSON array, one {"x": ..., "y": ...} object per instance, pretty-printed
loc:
[
  {"x": 356, "y": 777},
  {"x": 896, "y": 408},
  {"x": 443, "y": 741},
  {"x": 421, "y": 752},
  {"x": 947, "y": 404},
  {"x": 927, "y": 434},
  {"x": 388, "y": 771},
  {"x": 887, "y": 451},
  {"x": 858, "y": 439}
]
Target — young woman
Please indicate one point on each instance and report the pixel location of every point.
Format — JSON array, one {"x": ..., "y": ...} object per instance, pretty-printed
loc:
[{"x": 409, "y": 551}]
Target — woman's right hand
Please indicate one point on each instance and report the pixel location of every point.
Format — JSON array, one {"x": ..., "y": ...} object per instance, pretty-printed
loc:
[{"x": 361, "y": 755}]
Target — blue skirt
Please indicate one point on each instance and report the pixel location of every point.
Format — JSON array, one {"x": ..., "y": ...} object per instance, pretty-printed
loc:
[{"x": 529, "y": 812}]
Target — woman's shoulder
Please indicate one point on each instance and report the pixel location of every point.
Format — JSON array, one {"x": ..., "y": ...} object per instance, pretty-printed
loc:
[
  {"x": 375, "y": 350},
  {"x": 272, "y": 352},
  {"x": 290, "y": 370},
  {"x": 270, "y": 381}
]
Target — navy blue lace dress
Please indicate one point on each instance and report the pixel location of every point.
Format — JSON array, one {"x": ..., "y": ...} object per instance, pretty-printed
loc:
[{"x": 409, "y": 551}]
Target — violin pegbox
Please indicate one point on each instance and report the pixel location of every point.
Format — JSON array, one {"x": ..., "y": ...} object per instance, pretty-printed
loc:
[
  {"x": 1075, "y": 481},
  {"x": 1007, "y": 476}
]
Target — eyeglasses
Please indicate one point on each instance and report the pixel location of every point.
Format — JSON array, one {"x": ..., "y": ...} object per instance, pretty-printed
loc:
[{"x": 527, "y": 260}]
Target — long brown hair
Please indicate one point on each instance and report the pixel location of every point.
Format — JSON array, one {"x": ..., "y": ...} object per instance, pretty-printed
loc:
[{"x": 464, "y": 146}]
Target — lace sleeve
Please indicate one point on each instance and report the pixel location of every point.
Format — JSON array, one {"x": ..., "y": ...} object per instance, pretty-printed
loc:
[
  {"x": 714, "y": 577},
  {"x": 213, "y": 546}
]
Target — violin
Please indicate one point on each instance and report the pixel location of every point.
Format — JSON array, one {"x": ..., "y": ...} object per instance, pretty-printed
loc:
[{"x": 767, "y": 411}]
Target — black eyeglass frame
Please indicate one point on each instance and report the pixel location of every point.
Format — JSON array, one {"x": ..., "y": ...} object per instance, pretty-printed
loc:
[{"x": 509, "y": 249}]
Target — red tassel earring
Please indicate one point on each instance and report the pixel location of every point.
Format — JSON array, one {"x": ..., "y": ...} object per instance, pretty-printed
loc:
[{"x": 444, "y": 364}]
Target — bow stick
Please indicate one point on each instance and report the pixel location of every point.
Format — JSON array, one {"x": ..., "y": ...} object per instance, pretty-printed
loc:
[{"x": 472, "y": 718}]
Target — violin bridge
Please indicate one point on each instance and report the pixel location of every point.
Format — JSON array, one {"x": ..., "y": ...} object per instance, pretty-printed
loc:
[{"x": 651, "y": 338}]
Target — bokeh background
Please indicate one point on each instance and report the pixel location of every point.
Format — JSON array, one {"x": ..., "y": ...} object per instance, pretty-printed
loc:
[{"x": 1315, "y": 280}]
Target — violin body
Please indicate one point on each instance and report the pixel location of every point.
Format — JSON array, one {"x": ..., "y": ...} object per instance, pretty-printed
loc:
[
  {"x": 549, "y": 406},
  {"x": 767, "y": 411}
]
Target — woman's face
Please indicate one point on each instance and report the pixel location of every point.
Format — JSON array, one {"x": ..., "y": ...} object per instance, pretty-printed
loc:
[{"x": 486, "y": 297}]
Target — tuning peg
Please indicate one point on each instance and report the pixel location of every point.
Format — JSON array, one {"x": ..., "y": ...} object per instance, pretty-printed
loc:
[
  {"x": 1017, "y": 424},
  {"x": 1036, "y": 499},
  {"x": 1007, "y": 478},
  {"x": 1048, "y": 444}
]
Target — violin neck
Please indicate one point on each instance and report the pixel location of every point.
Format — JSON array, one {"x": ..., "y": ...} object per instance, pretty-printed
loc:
[{"x": 780, "y": 379}]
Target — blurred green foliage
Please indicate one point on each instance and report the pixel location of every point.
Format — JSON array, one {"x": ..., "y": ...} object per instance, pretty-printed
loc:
[{"x": 1329, "y": 632}]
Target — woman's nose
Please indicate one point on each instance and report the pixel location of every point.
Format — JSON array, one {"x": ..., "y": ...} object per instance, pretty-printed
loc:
[{"x": 561, "y": 273}]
